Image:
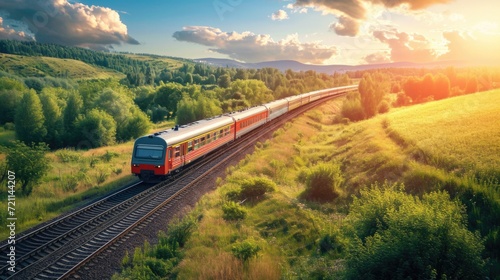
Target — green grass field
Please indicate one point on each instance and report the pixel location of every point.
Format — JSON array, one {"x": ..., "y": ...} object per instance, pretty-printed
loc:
[
  {"x": 458, "y": 132},
  {"x": 37, "y": 66}
]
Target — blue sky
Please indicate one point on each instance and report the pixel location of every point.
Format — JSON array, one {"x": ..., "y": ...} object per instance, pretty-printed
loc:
[{"x": 309, "y": 31}]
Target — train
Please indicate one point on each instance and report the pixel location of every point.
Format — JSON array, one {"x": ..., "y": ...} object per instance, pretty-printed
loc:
[{"x": 158, "y": 155}]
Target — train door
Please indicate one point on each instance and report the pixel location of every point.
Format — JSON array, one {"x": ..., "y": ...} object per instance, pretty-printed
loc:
[
  {"x": 184, "y": 153},
  {"x": 170, "y": 156}
]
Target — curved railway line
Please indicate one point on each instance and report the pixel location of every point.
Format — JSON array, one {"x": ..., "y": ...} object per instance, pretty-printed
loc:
[{"x": 59, "y": 248}]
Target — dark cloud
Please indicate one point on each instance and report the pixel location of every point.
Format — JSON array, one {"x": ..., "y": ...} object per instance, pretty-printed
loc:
[
  {"x": 252, "y": 47},
  {"x": 346, "y": 26},
  {"x": 73, "y": 24},
  {"x": 9, "y": 33},
  {"x": 406, "y": 47}
]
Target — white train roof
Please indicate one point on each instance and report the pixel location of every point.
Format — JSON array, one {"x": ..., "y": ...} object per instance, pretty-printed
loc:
[{"x": 189, "y": 131}]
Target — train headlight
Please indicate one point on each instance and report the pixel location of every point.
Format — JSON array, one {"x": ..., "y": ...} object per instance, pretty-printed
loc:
[
  {"x": 158, "y": 166},
  {"x": 135, "y": 165}
]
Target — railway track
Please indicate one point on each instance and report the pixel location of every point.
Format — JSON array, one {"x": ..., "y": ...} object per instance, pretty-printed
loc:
[{"x": 58, "y": 249}]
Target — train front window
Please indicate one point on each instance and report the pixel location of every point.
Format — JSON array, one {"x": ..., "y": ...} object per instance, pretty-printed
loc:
[{"x": 149, "y": 151}]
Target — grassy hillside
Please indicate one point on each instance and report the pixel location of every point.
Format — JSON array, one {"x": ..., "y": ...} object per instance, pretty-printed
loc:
[
  {"x": 40, "y": 66},
  {"x": 427, "y": 147}
]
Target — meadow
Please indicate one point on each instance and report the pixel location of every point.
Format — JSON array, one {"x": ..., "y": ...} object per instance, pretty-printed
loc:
[
  {"x": 426, "y": 148},
  {"x": 40, "y": 66}
]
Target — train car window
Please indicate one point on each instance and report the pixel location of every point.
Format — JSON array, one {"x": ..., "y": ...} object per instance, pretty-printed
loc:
[
  {"x": 149, "y": 151},
  {"x": 196, "y": 143},
  {"x": 202, "y": 141},
  {"x": 190, "y": 146},
  {"x": 177, "y": 151},
  {"x": 209, "y": 139},
  {"x": 169, "y": 153}
]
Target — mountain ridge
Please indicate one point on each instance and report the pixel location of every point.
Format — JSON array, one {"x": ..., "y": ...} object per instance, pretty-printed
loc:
[{"x": 284, "y": 65}]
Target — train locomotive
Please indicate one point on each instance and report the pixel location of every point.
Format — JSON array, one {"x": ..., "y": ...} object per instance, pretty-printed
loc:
[{"x": 158, "y": 155}]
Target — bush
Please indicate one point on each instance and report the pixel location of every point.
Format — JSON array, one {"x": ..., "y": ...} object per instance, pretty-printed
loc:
[
  {"x": 232, "y": 211},
  {"x": 383, "y": 107},
  {"x": 245, "y": 250},
  {"x": 352, "y": 110},
  {"x": 256, "y": 187},
  {"x": 323, "y": 182},
  {"x": 399, "y": 236}
]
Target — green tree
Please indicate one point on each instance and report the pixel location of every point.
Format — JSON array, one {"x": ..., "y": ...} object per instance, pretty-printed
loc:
[
  {"x": 53, "y": 119},
  {"x": 137, "y": 125},
  {"x": 29, "y": 163},
  {"x": 29, "y": 119},
  {"x": 185, "y": 111},
  {"x": 10, "y": 94},
  {"x": 224, "y": 81},
  {"x": 398, "y": 236},
  {"x": 95, "y": 129},
  {"x": 73, "y": 108},
  {"x": 372, "y": 89}
]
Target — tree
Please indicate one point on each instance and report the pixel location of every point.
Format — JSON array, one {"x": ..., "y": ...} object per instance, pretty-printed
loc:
[
  {"x": 398, "y": 236},
  {"x": 29, "y": 163},
  {"x": 138, "y": 125},
  {"x": 73, "y": 108},
  {"x": 53, "y": 119},
  {"x": 441, "y": 87},
  {"x": 372, "y": 89},
  {"x": 224, "y": 81},
  {"x": 10, "y": 94},
  {"x": 95, "y": 129},
  {"x": 29, "y": 119},
  {"x": 185, "y": 111}
]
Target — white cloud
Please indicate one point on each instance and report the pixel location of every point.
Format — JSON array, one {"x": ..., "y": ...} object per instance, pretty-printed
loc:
[
  {"x": 279, "y": 15},
  {"x": 74, "y": 24},
  {"x": 250, "y": 47}
]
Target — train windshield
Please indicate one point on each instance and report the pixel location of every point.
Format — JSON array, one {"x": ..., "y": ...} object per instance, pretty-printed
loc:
[{"x": 149, "y": 151}]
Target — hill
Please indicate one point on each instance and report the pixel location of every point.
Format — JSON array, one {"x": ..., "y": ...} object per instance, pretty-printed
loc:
[
  {"x": 284, "y": 65},
  {"x": 41, "y": 66},
  {"x": 428, "y": 148}
]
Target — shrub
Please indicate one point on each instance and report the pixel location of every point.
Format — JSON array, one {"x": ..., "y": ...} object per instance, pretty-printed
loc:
[
  {"x": 383, "y": 107},
  {"x": 256, "y": 187},
  {"x": 232, "y": 211},
  {"x": 245, "y": 250},
  {"x": 323, "y": 182},
  {"x": 352, "y": 110},
  {"x": 399, "y": 236}
]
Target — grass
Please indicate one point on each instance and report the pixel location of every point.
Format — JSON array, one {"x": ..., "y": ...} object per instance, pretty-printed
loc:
[
  {"x": 455, "y": 133},
  {"x": 75, "y": 178},
  {"x": 449, "y": 145},
  {"x": 39, "y": 66}
]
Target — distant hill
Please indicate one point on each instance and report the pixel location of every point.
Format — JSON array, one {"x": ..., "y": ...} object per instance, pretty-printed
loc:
[
  {"x": 41, "y": 66},
  {"x": 284, "y": 65}
]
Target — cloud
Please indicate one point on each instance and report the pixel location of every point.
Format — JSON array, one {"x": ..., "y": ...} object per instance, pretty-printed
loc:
[
  {"x": 476, "y": 47},
  {"x": 406, "y": 47},
  {"x": 346, "y": 26},
  {"x": 10, "y": 33},
  {"x": 73, "y": 24},
  {"x": 377, "y": 58},
  {"x": 250, "y": 47},
  {"x": 351, "y": 12},
  {"x": 279, "y": 15}
]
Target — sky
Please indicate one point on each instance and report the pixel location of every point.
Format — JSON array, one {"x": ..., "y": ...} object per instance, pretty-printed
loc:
[{"x": 348, "y": 32}]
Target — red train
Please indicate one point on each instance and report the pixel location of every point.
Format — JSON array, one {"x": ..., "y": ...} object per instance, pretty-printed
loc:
[{"x": 158, "y": 154}]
